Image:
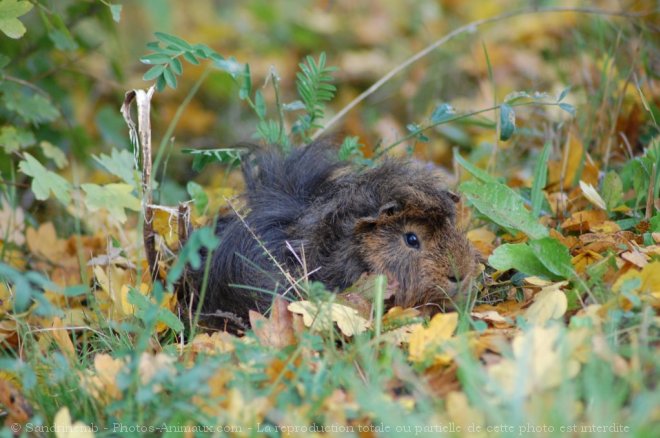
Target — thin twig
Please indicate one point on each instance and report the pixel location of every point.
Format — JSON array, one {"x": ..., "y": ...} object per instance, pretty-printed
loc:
[{"x": 468, "y": 28}]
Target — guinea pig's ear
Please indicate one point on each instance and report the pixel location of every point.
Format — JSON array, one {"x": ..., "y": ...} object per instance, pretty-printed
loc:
[
  {"x": 389, "y": 208},
  {"x": 453, "y": 196}
]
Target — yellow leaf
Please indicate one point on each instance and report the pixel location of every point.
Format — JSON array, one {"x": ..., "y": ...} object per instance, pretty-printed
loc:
[
  {"x": 424, "y": 340},
  {"x": 549, "y": 303},
  {"x": 12, "y": 223},
  {"x": 101, "y": 382},
  {"x": 538, "y": 363},
  {"x": 320, "y": 317},
  {"x": 44, "y": 242},
  {"x": 65, "y": 429},
  {"x": 463, "y": 414}
]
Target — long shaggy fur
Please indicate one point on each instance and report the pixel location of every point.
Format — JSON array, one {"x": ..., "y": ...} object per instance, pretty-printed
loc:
[{"x": 341, "y": 222}]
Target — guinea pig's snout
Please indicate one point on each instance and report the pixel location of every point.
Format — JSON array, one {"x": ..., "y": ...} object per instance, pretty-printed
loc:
[{"x": 458, "y": 285}]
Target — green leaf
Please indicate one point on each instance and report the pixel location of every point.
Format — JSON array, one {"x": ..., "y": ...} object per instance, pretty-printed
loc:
[
  {"x": 170, "y": 79},
  {"x": 55, "y": 154},
  {"x": 190, "y": 57},
  {"x": 115, "y": 10},
  {"x": 112, "y": 197},
  {"x": 119, "y": 163},
  {"x": 44, "y": 181},
  {"x": 176, "y": 66},
  {"x": 503, "y": 206},
  {"x": 202, "y": 157},
  {"x": 507, "y": 122},
  {"x": 154, "y": 72},
  {"x": 190, "y": 253},
  {"x": 173, "y": 40},
  {"x": 4, "y": 60},
  {"x": 260, "y": 104},
  {"x": 563, "y": 93},
  {"x": 568, "y": 108},
  {"x": 10, "y": 10},
  {"x": 246, "y": 85},
  {"x": 60, "y": 35},
  {"x": 155, "y": 59},
  {"x": 474, "y": 170},
  {"x": 13, "y": 139},
  {"x": 554, "y": 256},
  {"x": 198, "y": 195},
  {"x": 31, "y": 108},
  {"x": 520, "y": 257},
  {"x": 350, "y": 148},
  {"x": 442, "y": 112},
  {"x": 540, "y": 179},
  {"x": 612, "y": 192}
]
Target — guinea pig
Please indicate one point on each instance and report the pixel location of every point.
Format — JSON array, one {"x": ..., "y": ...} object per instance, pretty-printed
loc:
[{"x": 308, "y": 213}]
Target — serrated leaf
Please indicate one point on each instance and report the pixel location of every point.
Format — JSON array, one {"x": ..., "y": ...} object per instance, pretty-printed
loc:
[
  {"x": 119, "y": 163},
  {"x": 112, "y": 197},
  {"x": 190, "y": 253},
  {"x": 540, "y": 179},
  {"x": 31, "y": 108},
  {"x": 173, "y": 40},
  {"x": 568, "y": 108},
  {"x": 44, "y": 181},
  {"x": 13, "y": 139},
  {"x": 503, "y": 206},
  {"x": 507, "y": 122},
  {"x": 55, "y": 154},
  {"x": 612, "y": 190},
  {"x": 10, "y": 10}
]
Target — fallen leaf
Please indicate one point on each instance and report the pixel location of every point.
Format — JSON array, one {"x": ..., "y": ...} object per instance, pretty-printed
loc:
[
  {"x": 64, "y": 428},
  {"x": 549, "y": 303},
  {"x": 425, "y": 340},
  {"x": 276, "y": 331},
  {"x": 592, "y": 195},
  {"x": 18, "y": 409},
  {"x": 321, "y": 316}
]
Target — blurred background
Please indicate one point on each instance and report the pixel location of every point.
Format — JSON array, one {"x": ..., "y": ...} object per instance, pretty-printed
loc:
[{"x": 92, "y": 60}]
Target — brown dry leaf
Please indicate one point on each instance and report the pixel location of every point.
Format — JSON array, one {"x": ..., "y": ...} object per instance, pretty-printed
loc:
[
  {"x": 549, "y": 303},
  {"x": 320, "y": 317},
  {"x": 606, "y": 227},
  {"x": 18, "y": 409},
  {"x": 649, "y": 284},
  {"x": 442, "y": 379},
  {"x": 64, "y": 428},
  {"x": 218, "y": 342},
  {"x": 276, "y": 331},
  {"x": 635, "y": 257},
  {"x": 493, "y": 318},
  {"x": 101, "y": 381},
  {"x": 584, "y": 220},
  {"x": 425, "y": 339}
]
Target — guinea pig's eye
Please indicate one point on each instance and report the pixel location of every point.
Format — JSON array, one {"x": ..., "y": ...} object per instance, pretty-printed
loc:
[{"x": 411, "y": 240}]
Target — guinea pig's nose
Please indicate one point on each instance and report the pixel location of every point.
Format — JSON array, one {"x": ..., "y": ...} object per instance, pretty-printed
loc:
[{"x": 453, "y": 279}]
